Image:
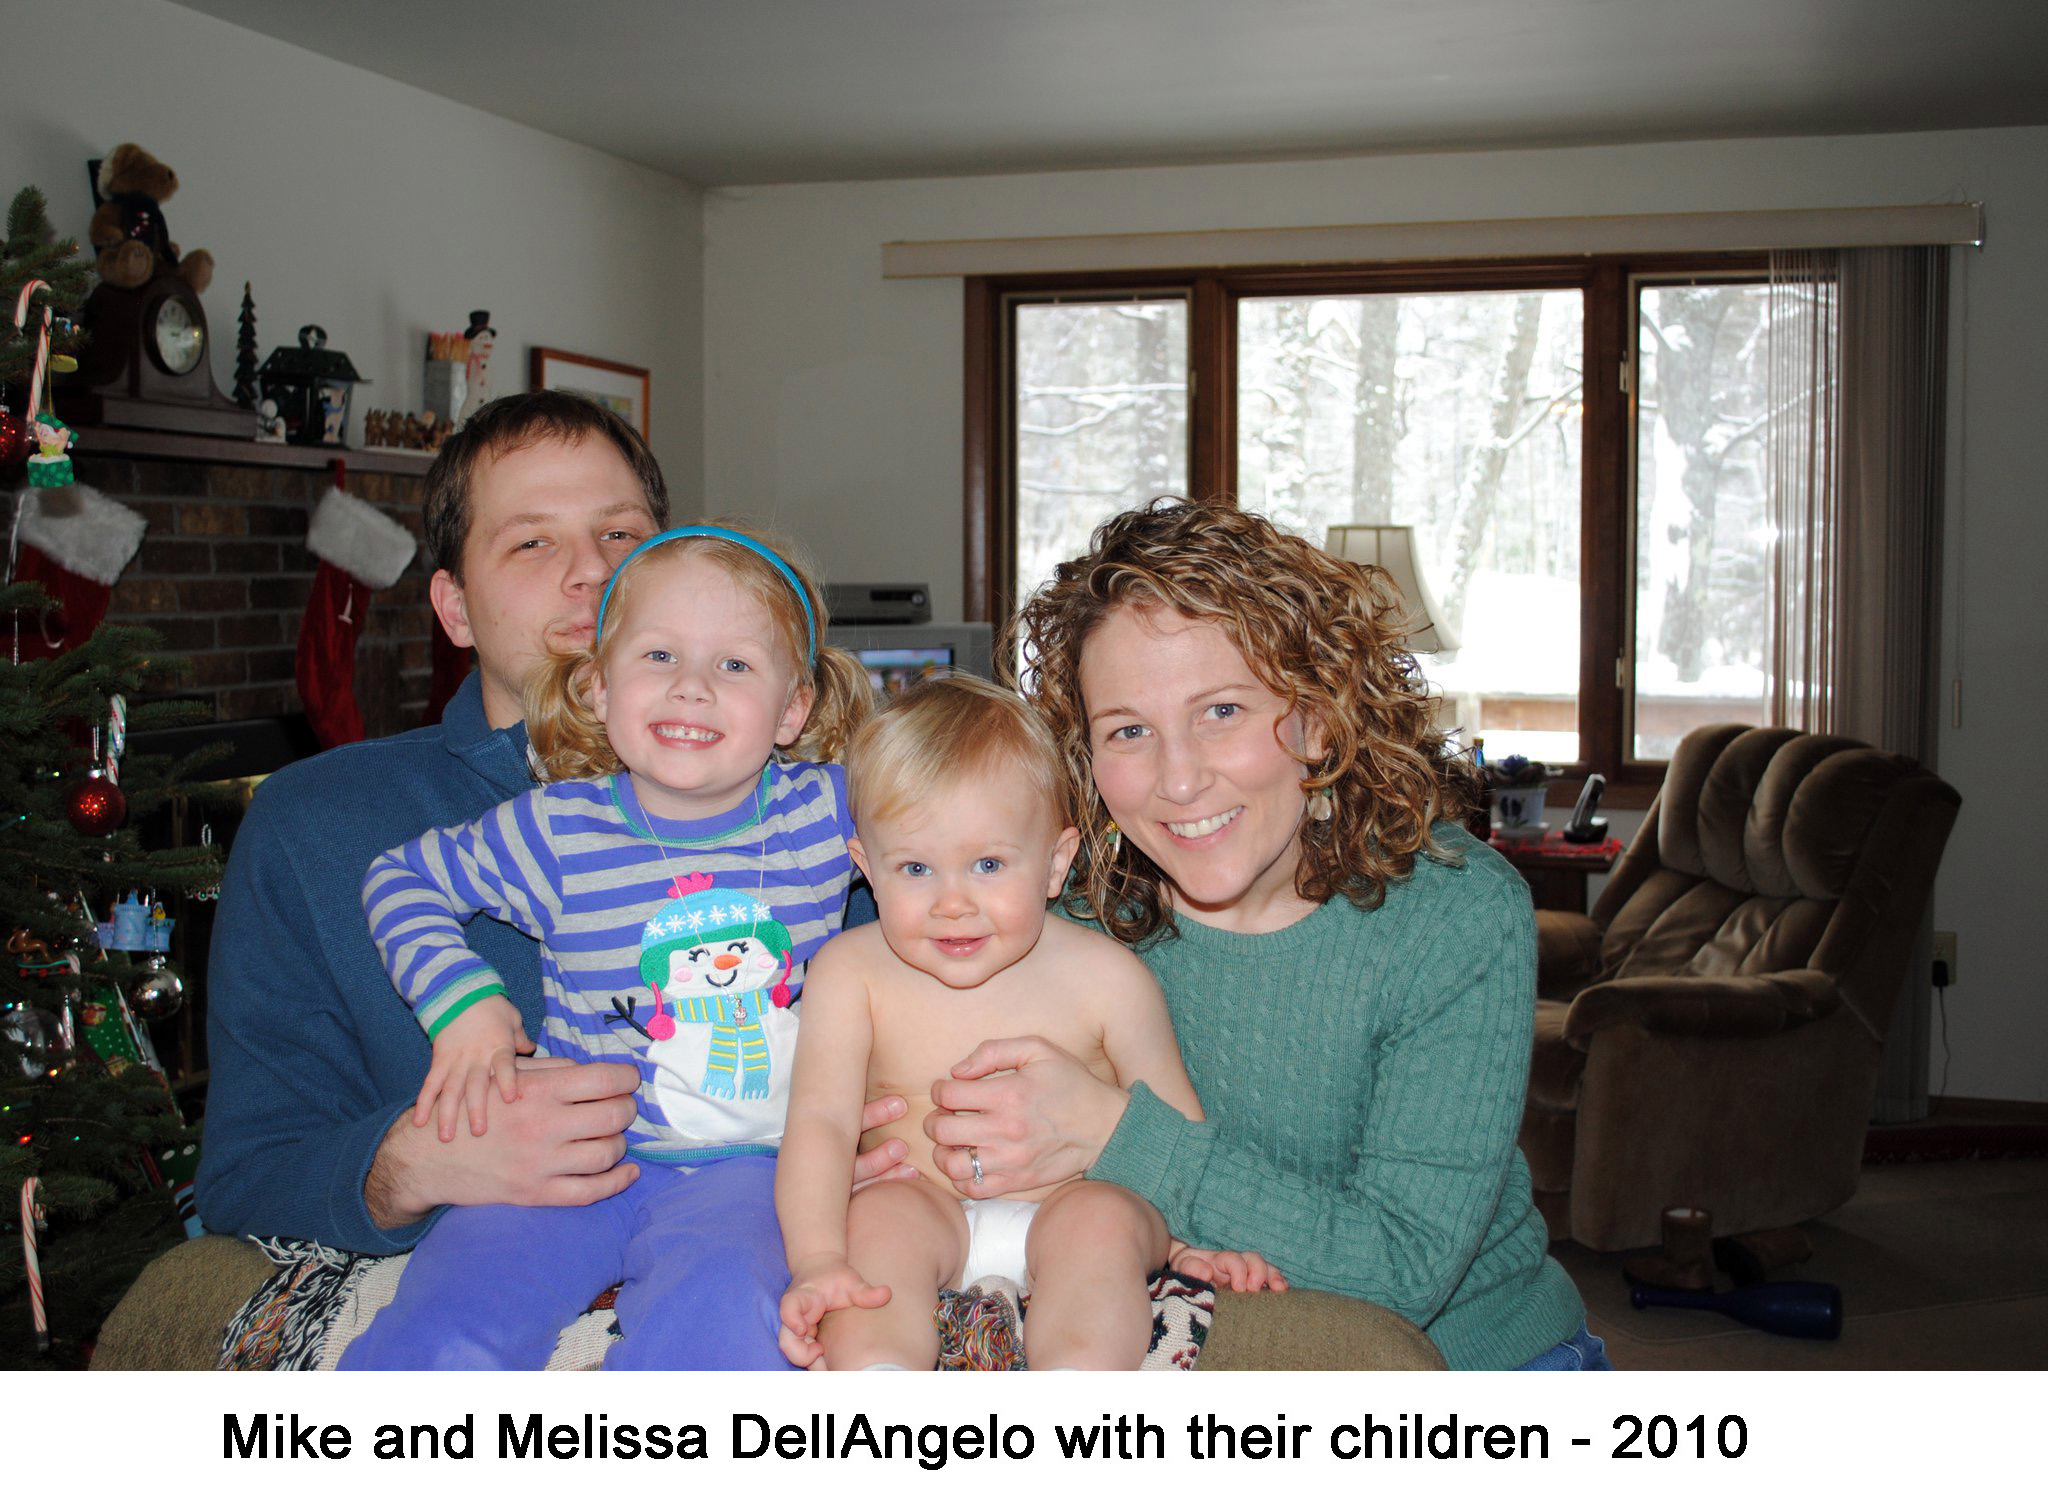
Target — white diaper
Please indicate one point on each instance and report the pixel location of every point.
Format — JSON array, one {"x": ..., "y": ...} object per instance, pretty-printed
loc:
[{"x": 996, "y": 1229}]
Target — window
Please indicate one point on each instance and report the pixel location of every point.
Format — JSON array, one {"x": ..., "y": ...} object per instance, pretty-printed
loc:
[
  {"x": 1702, "y": 605},
  {"x": 1100, "y": 419},
  {"x": 1577, "y": 446}
]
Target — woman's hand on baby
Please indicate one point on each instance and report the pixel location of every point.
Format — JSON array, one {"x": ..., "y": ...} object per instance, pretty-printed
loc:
[
  {"x": 1044, "y": 1122},
  {"x": 890, "y": 1160},
  {"x": 815, "y": 1291},
  {"x": 1242, "y": 1273},
  {"x": 472, "y": 1052}
]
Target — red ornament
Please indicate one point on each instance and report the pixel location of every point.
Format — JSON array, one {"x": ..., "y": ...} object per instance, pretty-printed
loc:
[
  {"x": 96, "y": 805},
  {"x": 14, "y": 441}
]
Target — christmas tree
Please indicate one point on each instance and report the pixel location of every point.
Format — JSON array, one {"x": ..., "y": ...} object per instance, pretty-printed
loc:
[
  {"x": 84, "y": 1109},
  {"x": 32, "y": 250}
]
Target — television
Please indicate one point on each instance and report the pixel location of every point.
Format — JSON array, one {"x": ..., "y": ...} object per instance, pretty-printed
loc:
[{"x": 896, "y": 656}]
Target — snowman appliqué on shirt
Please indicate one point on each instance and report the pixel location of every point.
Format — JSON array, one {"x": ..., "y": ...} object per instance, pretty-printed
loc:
[{"x": 721, "y": 1032}]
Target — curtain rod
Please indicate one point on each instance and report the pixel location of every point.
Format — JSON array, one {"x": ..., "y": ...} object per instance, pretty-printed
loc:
[{"x": 1520, "y": 237}]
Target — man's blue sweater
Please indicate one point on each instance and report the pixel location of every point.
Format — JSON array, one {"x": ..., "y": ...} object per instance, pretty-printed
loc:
[{"x": 314, "y": 1056}]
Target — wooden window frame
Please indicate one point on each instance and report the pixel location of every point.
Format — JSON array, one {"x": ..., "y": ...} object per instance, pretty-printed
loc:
[{"x": 1607, "y": 530}]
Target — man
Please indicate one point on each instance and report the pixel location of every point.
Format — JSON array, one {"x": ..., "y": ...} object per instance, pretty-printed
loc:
[{"x": 316, "y": 1060}]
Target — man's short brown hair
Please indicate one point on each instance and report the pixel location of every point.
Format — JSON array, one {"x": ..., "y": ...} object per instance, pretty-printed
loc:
[{"x": 519, "y": 421}]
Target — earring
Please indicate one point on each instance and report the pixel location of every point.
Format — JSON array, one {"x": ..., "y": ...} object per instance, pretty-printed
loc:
[
  {"x": 1113, "y": 840},
  {"x": 1322, "y": 805}
]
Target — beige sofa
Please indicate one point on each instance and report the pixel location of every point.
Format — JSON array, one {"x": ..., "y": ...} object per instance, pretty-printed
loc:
[{"x": 172, "y": 1319}]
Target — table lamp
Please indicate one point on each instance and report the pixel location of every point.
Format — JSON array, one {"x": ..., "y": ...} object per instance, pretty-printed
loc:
[{"x": 1393, "y": 548}]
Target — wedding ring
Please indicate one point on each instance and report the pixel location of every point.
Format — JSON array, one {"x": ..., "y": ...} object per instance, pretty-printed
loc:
[{"x": 974, "y": 1159}]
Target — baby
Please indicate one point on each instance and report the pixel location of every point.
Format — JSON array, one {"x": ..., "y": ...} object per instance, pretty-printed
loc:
[{"x": 960, "y": 833}]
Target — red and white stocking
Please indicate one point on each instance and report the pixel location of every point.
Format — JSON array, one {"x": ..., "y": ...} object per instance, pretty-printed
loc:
[
  {"x": 75, "y": 542},
  {"x": 361, "y": 550}
]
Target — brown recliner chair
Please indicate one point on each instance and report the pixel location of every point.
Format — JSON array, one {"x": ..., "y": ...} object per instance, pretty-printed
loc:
[{"x": 1710, "y": 1036}]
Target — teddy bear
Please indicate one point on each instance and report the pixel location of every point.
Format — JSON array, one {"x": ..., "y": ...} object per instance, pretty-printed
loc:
[{"x": 128, "y": 231}]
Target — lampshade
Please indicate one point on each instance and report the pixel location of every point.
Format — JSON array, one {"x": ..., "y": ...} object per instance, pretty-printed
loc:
[{"x": 1393, "y": 548}]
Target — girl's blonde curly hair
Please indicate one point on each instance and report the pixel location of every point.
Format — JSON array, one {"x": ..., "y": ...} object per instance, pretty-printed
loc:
[
  {"x": 570, "y": 743},
  {"x": 1319, "y": 632}
]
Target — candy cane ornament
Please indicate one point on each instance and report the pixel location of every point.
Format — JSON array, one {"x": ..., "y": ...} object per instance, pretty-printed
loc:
[
  {"x": 117, "y": 738},
  {"x": 35, "y": 382},
  {"x": 31, "y": 1221}
]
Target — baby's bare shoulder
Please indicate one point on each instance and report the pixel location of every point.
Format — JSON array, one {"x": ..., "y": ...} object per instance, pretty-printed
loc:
[
  {"x": 1072, "y": 949},
  {"x": 849, "y": 960}
]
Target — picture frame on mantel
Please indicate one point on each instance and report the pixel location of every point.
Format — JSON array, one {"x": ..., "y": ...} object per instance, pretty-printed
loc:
[{"x": 614, "y": 384}]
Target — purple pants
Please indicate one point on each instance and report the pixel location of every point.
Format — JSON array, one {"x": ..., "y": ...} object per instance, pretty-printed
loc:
[{"x": 697, "y": 1249}]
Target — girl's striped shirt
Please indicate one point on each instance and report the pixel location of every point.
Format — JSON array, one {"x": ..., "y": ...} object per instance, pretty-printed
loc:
[{"x": 679, "y": 948}]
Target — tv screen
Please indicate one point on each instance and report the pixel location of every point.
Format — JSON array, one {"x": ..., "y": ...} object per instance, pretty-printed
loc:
[
  {"x": 895, "y": 670},
  {"x": 897, "y": 656}
]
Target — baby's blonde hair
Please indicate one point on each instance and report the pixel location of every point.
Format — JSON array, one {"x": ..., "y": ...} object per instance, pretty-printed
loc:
[
  {"x": 940, "y": 733},
  {"x": 570, "y": 743}
]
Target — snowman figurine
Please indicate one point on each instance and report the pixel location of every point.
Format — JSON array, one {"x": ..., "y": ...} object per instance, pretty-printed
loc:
[{"x": 721, "y": 1033}]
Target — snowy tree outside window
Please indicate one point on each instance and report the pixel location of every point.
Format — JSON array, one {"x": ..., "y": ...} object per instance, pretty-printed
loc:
[
  {"x": 1459, "y": 415},
  {"x": 1102, "y": 421},
  {"x": 1703, "y": 553}
]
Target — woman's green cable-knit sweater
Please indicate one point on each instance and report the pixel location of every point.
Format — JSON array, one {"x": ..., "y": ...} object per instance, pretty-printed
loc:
[{"x": 1363, "y": 1075}]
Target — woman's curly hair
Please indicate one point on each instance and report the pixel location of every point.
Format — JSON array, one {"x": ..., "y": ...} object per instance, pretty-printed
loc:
[
  {"x": 1320, "y": 633},
  {"x": 561, "y": 724}
]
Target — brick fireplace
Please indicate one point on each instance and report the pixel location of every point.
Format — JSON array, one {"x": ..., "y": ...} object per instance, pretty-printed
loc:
[{"x": 224, "y": 574}]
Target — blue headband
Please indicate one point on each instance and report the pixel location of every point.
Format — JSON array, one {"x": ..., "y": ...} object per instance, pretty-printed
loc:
[{"x": 738, "y": 539}]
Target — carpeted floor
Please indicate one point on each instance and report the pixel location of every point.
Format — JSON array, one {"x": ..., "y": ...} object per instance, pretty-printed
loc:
[{"x": 1941, "y": 1263}]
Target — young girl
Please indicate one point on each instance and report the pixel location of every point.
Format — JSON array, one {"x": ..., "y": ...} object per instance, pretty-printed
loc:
[{"x": 678, "y": 875}]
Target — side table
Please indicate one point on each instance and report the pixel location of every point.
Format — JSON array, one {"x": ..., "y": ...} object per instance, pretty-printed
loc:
[{"x": 1555, "y": 869}]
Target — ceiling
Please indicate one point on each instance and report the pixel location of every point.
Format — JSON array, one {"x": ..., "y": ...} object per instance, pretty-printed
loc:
[{"x": 741, "y": 92}]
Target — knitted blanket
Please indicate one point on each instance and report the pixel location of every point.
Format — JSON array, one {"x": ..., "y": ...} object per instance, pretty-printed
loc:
[{"x": 318, "y": 1300}]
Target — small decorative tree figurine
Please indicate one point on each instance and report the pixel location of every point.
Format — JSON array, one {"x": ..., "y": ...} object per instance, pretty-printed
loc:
[{"x": 245, "y": 353}]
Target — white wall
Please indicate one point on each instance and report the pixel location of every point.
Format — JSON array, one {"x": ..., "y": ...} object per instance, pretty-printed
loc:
[
  {"x": 368, "y": 207},
  {"x": 833, "y": 410}
]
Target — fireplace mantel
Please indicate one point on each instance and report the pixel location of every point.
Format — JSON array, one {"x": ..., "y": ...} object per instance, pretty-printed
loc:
[{"x": 143, "y": 443}]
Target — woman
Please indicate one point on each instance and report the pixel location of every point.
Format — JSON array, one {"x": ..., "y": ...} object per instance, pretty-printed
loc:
[{"x": 1265, "y": 808}]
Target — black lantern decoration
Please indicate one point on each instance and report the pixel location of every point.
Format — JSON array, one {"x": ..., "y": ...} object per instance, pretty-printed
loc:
[{"x": 311, "y": 386}]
